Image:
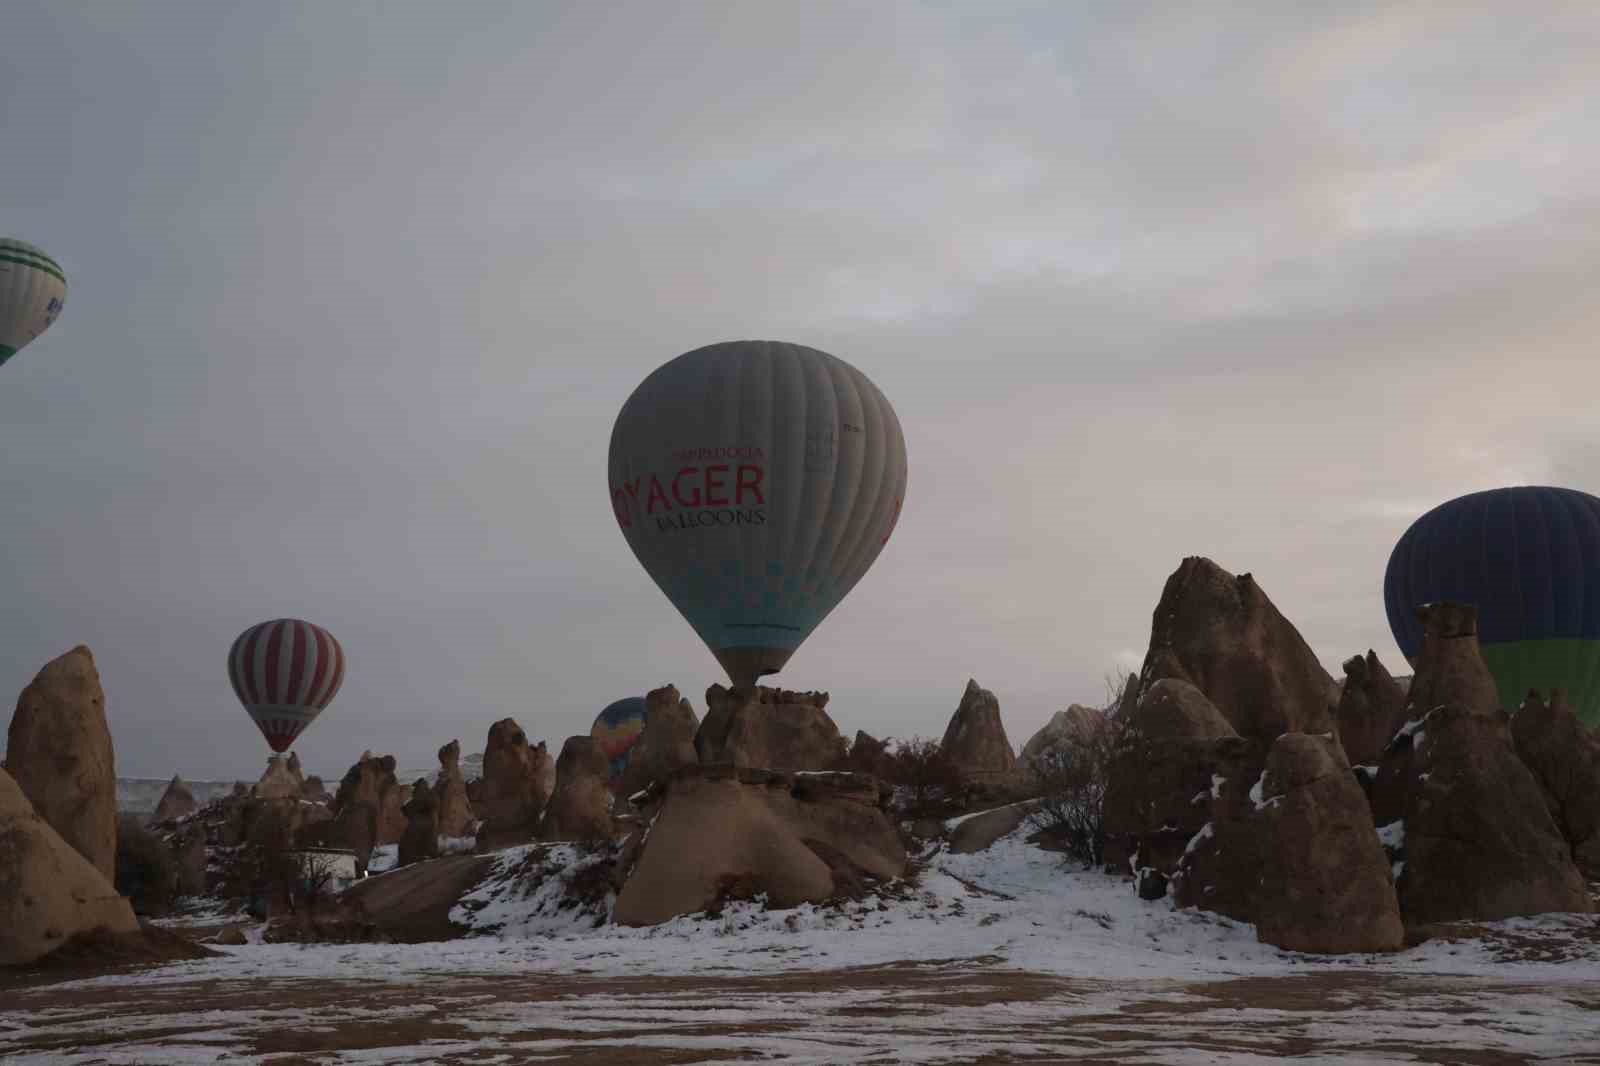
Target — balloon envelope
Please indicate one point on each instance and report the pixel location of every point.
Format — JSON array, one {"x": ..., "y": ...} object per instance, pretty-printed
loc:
[
  {"x": 285, "y": 672},
  {"x": 617, "y": 729},
  {"x": 33, "y": 289},
  {"x": 756, "y": 481},
  {"x": 1529, "y": 559}
]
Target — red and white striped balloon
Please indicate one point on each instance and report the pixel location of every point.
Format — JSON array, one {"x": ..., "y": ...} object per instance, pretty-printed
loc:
[{"x": 285, "y": 672}]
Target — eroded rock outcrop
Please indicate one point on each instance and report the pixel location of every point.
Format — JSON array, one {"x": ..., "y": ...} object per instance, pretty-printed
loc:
[
  {"x": 421, "y": 837},
  {"x": 665, "y": 744},
  {"x": 580, "y": 806},
  {"x": 975, "y": 740},
  {"x": 1064, "y": 731},
  {"x": 281, "y": 780},
  {"x": 1564, "y": 758},
  {"x": 48, "y": 890},
  {"x": 367, "y": 809},
  {"x": 518, "y": 778},
  {"x": 768, "y": 728},
  {"x": 1472, "y": 836},
  {"x": 455, "y": 812},
  {"x": 176, "y": 802},
  {"x": 58, "y": 751},
  {"x": 1450, "y": 670},
  {"x": 1223, "y": 635},
  {"x": 724, "y": 832},
  {"x": 1372, "y": 708}
]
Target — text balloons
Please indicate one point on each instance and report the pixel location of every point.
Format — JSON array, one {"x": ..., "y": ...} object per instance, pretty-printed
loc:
[
  {"x": 1529, "y": 559},
  {"x": 285, "y": 672},
  {"x": 756, "y": 481},
  {"x": 616, "y": 729},
  {"x": 33, "y": 289}
]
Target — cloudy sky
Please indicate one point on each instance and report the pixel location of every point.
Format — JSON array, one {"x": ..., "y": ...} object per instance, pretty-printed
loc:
[{"x": 357, "y": 290}]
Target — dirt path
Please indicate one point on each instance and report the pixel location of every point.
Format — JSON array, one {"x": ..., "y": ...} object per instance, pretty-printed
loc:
[{"x": 957, "y": 1012}]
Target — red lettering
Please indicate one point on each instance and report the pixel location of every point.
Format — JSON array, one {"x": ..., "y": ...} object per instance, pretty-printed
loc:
[
  {"x": 619, "y": 504},
  {"x": 677, "y": 494},
  {"x": 656, "y": 493},
  {"x": 749, "y": 478},
  {"x": 714, "y": 485}
]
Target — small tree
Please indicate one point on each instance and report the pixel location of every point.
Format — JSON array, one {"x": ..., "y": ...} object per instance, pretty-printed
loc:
[
  {"x": 315, "y": 880},
  {"x": 1072, "y": 779},
  {"x": 921, "y": 765}
]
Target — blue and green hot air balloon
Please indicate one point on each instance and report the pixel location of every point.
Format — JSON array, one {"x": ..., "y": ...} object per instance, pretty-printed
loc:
[{"x": 1529, "y": 559}]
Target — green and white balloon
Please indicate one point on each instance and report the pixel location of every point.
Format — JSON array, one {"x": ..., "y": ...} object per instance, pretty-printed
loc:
[{"x": 33, "y": 289}]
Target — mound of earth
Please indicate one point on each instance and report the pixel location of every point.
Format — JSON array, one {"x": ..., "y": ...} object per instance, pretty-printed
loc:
[{"x": 412, "y": 905}]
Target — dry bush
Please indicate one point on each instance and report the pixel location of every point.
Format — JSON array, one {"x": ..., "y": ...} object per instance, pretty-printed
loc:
[
  {"x": 933, "y": 784},
  {"x": 1071, "y": 781}
]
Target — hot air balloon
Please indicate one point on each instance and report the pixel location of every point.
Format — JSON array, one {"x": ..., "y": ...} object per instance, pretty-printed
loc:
[
  {"x": 616, "y": 729},
  {"x": 756, "y": 481},
  {"x": 285, "y": 672},
  {"x": 33, "y": 289},
  {"x": 1529, "y": 559}
]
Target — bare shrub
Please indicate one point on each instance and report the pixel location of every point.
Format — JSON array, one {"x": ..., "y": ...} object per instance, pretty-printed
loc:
[
  {"x": 934, "y": 783},
  {"x": 1071, "y": 781}
]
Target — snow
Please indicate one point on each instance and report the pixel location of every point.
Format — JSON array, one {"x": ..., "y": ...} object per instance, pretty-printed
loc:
[{"x": 384, "y": 857}]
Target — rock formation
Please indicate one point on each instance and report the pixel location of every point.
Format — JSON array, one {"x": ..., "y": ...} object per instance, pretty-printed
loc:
[
  {"x": 281, "y": 780},
  {"x": 768, "y": 728},
  {"x": 580, "y": 806},
  {"x": 665, "y": 744},
  {"x": 1065, "y": 730},
  {"x": 1450, "y": 669},
  {"x": 724, "y": 832},
  {"x": 421, "y": 837},
  {"x": 48, "y": 890},
  {"x": 1372, "y": 708},
  {"x": 975, "y": 740},
  {"x": 517, "y": 781},
  {"x": 869, "y": 755},
  {"x": 1164, "y": 775},
  {"x": 1472, "y": 836},
  {"x": 367, "y": 811},
  {"x": 1223, "y": 635},
  {"x": 979, "y": 832},
  {"x": 314, "y": 790},
  {"x": 176, "y": 802},
  {"x": 1565, "y": 759},
  {"x": 455, "y": 813},
  {"x": 58, "y": 750}
]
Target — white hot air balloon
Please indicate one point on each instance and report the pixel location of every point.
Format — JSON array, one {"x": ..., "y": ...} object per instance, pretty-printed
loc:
[
  {"x": 756, "y": 481},
  {"x": 33, "y": 289}
]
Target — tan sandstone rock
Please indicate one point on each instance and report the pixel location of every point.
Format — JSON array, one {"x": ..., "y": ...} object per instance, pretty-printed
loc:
[
  {"x": 1372, "y": 708},
  {"x": 726, "y": 832},
  {"x": 1064, "y": 731},
  {"x": 281, "y": 780},
  {"x": 1223, "y": 635},
  {"x": 48, "y": 890},
  {"x": 580, "y": 806},
  {"x": 421, "y": 837},
  {"x": 1450, "y": 669},
  {"x": 58, "y": 750},
  {"x": 975, "y": 740},
  {"x": 769, "y": 729},
  {"x": 176, "y": 802},
  {"x": 455, "y": 812},
  {"x": 665, "y": 744},
  {"x": 1564, "y": 758},
  {"x": 518, "y": 778}
]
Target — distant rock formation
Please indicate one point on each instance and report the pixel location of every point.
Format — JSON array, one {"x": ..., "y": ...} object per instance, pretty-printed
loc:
[
  {"x": 580, "y": 805},
  {"x": 176, "y": 801},
  {"x": 314, "y": 790},
  {"x": 58, "y": 751},
  {"x": 1223, "y": 635},
  {"x": 734, "y": 833},
  {"x": 517, "y": 781},
  {"x": 421, "y": 837},
  {"x": 281, "y": 780},
  {"x": 455, "y": 812},
  {"x": 1565, "y": 759},
  {"x": 975, "y": 740},
  {"x": 769, "y": 729},
  {"x": 367, "y": 810},
  {"x": 1450, "y": 670},
  {"x": 869, "y": 755},
  {"x": 51, "y": 891},
  {"x": 665, "y": 744},
  {"x": 1372, "y": 708},
  {"x": 1064, "y": 731}
]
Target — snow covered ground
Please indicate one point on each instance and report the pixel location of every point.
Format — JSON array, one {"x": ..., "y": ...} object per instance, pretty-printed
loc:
[{"x": 992, "y": 951}]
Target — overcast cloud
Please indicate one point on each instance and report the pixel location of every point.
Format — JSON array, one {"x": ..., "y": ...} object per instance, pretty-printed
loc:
[{"x": 357, "y": 290}]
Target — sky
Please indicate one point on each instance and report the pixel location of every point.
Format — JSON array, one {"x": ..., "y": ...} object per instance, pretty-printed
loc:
[{"x": 357, "y": 290}]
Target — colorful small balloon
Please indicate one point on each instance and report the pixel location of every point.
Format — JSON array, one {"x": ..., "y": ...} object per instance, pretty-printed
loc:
[
  {"x": 285, "y": 673},
  {"x": 617, "y": 729},
  {"x": 33, "y": 289}
]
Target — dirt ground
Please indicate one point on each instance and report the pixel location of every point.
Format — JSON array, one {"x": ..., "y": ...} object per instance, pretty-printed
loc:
[{"x": 957, "y": 1012}]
